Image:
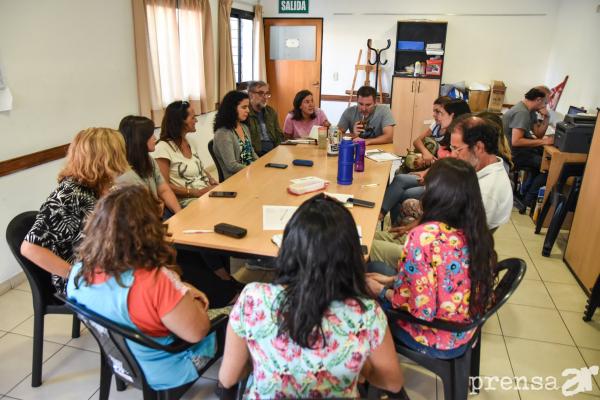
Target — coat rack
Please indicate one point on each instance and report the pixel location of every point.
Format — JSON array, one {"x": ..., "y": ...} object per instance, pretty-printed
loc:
[
  {"x": 377, "y": 61},
  {"x": 368, "y": 68}
]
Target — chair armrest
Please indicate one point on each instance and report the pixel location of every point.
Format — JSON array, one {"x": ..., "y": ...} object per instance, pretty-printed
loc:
[
  {"x": 179, "y": 345},
  {"x": 401, "y": 315},
  {"x": 218, "y": 322}
]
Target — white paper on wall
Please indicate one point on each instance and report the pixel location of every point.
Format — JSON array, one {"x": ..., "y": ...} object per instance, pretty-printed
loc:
[{"x": 5, "y": 100}]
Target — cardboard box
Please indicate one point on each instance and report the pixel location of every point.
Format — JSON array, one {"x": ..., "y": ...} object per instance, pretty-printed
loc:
[
  {"x": 497, "y": 94},
  {"x": 478, "y": 100}
]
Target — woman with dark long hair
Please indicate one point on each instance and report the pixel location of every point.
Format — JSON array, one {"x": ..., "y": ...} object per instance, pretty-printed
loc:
[
  {"x": 314, "y": 330},
  {"x": 299, "y": 122},
  {"x": 446, "y": 270},
  {"x": 410, "y": 186},
  {"x": 232, "y": 143},
  {"x": 138, "y": 133},
  {"x": 179, "y": 162},
  {"x": 127, "y": 273}
]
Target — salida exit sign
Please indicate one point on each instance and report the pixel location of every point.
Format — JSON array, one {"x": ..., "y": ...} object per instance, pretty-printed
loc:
[{"x": 293, "y": 6}]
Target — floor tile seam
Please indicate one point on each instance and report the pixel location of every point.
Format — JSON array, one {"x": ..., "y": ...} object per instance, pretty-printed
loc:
[
  {"x": 541, "y": 341},
  {"x": 568, "y": 330},
  {"x": 97, "y": 390},
  {"x": 31, "y": 337},
  {"x": 507, "y": 353},
  {"x": 79, "y": 348},
  {"x": 589, "y": 348},
  {"x": 17, "y": 325},
  {"x": 537, "y": 307}
]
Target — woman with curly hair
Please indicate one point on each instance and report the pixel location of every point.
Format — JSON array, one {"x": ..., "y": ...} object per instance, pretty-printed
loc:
[
  {"x": 96, "y": 157},
  {"x": 232, "y": 144},
  {"x": 127, "y": 273}
]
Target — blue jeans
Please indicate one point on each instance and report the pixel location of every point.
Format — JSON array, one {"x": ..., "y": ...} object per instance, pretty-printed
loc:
[
  {"x": 404, "y": 186},
  {"x": 407, "y": 340},
  {"x": 381, "y": 268}
]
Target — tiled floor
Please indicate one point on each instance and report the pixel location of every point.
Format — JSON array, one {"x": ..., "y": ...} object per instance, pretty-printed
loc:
[{"x": 539, "y": 333}]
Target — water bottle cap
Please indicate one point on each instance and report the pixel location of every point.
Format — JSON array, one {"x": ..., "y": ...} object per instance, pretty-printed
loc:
[{"x": 346, "y": 138}]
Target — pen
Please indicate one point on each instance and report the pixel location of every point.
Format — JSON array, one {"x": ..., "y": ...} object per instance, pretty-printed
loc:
[
  {"x": 191, "y": 231},
  {"x": 370, "y": 185}
]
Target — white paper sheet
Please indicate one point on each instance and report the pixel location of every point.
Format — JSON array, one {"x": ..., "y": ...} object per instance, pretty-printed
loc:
[
  {"x": 341, "y": 197},
  {"x": 276, "y": 217},
  {"x": 6, "y": 100},
  {"x": 382, "y": 156}
]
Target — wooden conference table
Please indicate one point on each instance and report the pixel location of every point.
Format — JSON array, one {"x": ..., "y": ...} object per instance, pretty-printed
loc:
[{"x": 257, "y": 185}]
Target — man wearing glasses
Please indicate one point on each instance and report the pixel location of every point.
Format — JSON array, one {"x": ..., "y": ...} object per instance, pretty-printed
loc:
[
  {"x": 526, "y": 136},
  {"x": 474, "y": 140},
  {"x": 262, "y": 121}
]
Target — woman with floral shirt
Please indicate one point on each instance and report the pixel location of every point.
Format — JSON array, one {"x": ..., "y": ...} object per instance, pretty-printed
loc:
[
  {"x": 313, "y": 331},
  {"x": 446, "y": 268}
]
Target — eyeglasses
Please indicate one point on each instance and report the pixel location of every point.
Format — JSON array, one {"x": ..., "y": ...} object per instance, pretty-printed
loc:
[
  {"x": 266, "y": 95},
  {"x": 458, "y": 149}
]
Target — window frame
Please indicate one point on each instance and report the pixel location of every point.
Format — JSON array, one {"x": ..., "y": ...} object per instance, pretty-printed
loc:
[{"x": 248, "y": 15}]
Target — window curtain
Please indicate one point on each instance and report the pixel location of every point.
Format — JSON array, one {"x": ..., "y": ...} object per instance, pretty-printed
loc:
[
  {"x": 195, "y": 28},
  {"x": 226, "y": 71},
  {"x": 173, "y": 54},
  {"x": 259, "y": 67}
]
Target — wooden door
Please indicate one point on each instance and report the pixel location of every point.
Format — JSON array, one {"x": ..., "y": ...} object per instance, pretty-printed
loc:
[
  {"x": 426, "y": 92},
  {"x": 293, "y": 51},
  {"x": 403, "y": 97}
]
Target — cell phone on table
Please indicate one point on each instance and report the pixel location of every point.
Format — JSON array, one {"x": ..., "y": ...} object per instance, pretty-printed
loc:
[
  {"x": 303, "y": 163},
  {"x": 275, "y": 165},
  {"x": 222, "y": 194},
  {"x": 361, "y": 203}
]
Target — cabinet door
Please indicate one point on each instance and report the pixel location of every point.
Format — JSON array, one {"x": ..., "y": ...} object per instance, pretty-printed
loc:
[
  {"x": 426, "y": 91},
  {"x": 403, "y": 96}
]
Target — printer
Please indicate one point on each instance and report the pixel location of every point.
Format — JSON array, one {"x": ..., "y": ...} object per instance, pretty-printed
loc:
[{"x": 574, "y": 134}]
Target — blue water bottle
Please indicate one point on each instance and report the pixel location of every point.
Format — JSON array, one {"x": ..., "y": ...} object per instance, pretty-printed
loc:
[{"x": 346, "y": 158}]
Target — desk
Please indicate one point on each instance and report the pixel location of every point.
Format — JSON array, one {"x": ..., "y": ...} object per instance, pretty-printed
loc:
[
  {"x": 257, "y": 185},
  {"x": 552, "y": 162}
]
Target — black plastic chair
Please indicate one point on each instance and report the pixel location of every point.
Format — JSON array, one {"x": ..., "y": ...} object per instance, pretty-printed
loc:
[
  {"x": 455, "y": 372},
  {"x": 42, "y": 291},
  {"x": 117, "y": 359},
  {"x": 593, "y": 302},
  {"x": 564, "y": 203},
  {"x": 211, "y": 150}
]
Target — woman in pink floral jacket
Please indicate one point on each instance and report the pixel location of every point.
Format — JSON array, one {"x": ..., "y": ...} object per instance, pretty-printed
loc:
[{"x": 446, "y": 267}]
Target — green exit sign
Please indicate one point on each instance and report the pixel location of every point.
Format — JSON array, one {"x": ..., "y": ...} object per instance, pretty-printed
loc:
[{"x": 293, "y": 6}]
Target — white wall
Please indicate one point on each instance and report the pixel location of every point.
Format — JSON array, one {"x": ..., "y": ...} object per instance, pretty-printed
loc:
[
  {"x": 70, "y": 65},
  {"x": 514, "y": 49},
  {"x": 576, "y": 52}
]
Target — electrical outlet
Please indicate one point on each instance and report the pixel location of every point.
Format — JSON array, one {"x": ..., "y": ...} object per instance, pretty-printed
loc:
[{"x": 336, "y": 76}]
